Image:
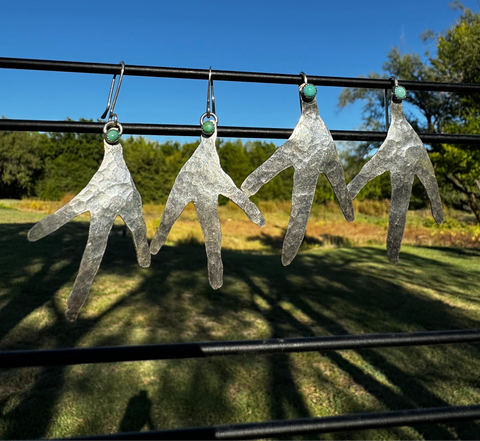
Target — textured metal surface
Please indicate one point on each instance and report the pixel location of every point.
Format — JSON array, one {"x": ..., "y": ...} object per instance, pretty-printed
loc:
[
  {"x": 201, "y": 180},
  {"x": 311, "y": 151},
  {"x": 110, "y": 192},
  {"x": 404, "y": 156}
]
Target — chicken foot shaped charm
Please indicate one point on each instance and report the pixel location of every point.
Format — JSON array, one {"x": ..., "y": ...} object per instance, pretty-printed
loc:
[
  {"x": 202, "y": 180},
  {"x": 311, "y": 151},
  {"x": 404, "y": 156},
  {"x": 110, "y": 193}
]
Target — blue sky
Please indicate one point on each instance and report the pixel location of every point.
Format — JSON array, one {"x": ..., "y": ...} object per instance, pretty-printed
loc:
[{"x": 323, "y": 37}]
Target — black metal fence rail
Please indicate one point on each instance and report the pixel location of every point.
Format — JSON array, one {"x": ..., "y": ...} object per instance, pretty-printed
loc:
[
  {"x": 15, "y": 359},
  {"x": 228, "y": 75},
  {"x": 232, "y": 132},
  {"x": 306, "y": 426},
  {"x": 53, "y": 357}
]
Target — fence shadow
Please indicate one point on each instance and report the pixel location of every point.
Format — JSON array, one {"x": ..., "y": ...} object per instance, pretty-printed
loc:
[{"x": 350, "y": 290}]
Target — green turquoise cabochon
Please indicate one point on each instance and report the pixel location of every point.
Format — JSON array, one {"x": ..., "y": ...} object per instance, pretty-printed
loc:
[
  {"x": 309, "y": 91},
  {"x": 113, "y": 135},
  {"x": 400, "y": 92},
  {"x": 208, "y": 127}
]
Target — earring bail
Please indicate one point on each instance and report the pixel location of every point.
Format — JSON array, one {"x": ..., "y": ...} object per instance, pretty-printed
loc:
[{"x": 308, "y": 91}]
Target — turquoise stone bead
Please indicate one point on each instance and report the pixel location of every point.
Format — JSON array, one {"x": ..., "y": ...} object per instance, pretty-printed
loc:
[
  {"x": 309, "y": 91},
  {"x": 208, "y": 127},
  {"x": 113, "y": 135},
  {"x": 400, "y": 92}
]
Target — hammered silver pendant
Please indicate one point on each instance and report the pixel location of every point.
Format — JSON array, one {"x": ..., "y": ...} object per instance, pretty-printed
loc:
[
  {"x": 110, "y": 193},
  {"x": 310, "y": 150},
  {"x": 201, "y": 180},
  {"x": 404, "y": 156}
]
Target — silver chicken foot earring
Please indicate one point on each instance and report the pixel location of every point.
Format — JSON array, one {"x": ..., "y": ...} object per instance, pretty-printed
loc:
[
  {"x": 310, "y": 150},
  {"x": 110, "y": 192},
  {"x": 202, "y": 180},
  {"x": 404, "y": 156}
]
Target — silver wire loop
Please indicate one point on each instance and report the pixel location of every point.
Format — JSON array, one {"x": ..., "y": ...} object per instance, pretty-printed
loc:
[
  {"x": 110, "y": 104},
  {"x": 210, "y": 96},
  {"x": 205, "y": 115},
  {"x": 395, "y": 81},
  {"x": 304, "y": 78},
  {"x": 113, "y": 125}
]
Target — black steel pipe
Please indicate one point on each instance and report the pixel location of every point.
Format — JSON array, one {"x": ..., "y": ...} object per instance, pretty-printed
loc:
[
  {"x": 228, "y": 132},
  {"x": 52, "y": 357},
  {"x": 225, "y": 75},
  {"x": 305, "y": 426}
]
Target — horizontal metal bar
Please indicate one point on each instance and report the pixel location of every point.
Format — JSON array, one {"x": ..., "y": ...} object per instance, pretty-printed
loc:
[
  {"x": 226, "y": 75},
  {"x": 228, "y": 132},
  {"x": 171, "y": 351},
  {"x": 305, "y": 426}
]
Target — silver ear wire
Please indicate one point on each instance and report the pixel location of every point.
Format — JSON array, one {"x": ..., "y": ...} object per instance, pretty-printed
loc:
[
  {"x": 395, "y": 81},
  {"x": 304, "y": 77},
  {"x": 110, "y": 104},
  {"x": 210, "y": 111},
  {"x": 210, "y": 95},
  {"x": 385, "y": 105}
]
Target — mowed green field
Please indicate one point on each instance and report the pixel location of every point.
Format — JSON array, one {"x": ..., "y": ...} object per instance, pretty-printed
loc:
[{"x": 325, "y": 291}]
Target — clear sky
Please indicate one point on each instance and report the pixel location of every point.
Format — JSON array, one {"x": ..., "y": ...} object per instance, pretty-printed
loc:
[{"x": 320, "y": 37}]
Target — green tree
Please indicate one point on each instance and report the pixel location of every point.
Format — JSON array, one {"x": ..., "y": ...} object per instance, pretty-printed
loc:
[
  {"x": 20, "y": 163},
  {"x": 153, "y": 166},
  {"x": 280, "y": 187},
  {"x": 235, "y": 161},
  {"x": 460, "y": 168},
  {"x": 70, "y": 161},
  {"x": 456, "y": 59}
]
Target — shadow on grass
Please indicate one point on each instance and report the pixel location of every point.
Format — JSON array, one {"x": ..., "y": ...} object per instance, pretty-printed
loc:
[
  {"x": 137, "y": 414},
  {"x": 460, "y": 252},
  {"x": 31, "y": 275},
  {"x": 343, "y": 291},
  {"x": 275, "y": 243}
]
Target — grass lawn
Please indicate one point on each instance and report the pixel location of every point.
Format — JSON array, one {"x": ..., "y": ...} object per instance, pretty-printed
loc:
[{"x": 333, "y": 287}]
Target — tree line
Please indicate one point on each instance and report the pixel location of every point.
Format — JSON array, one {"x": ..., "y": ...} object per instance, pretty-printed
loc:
[{"x": 48, "y": 166}]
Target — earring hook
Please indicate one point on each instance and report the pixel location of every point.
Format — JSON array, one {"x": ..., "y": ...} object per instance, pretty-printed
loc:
[
  {"x": 385, "y": 102},
  {"x": 210, "y": 95},
  {"x": 208, "y": 128},
  {"x": 304, "y": 77},
  {"x": 110, "y": 104}
]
